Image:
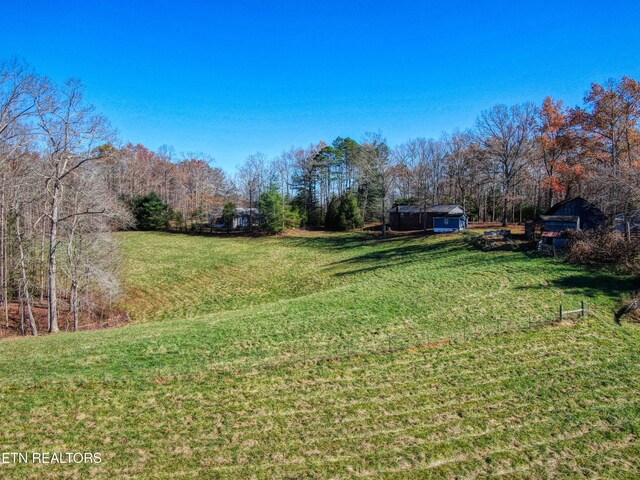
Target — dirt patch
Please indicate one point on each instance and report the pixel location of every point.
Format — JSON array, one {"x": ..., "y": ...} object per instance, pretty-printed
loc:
[
  {"x": 629, "y": 312},
  {"x": 516, "y": 228},
  {"x": 510, "y": 243},
  {"x": 95, "y": 319}
]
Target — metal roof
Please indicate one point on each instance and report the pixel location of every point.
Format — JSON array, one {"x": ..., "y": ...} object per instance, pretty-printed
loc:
[
  {"x": 406, "y": 209},
  {"x": 446, "y": 209},
  {"x": 560, "y": 218},
  {"x": 246, "y": 211},
  {"x": 633, "y": 216},
  {"x": 557, "y": 206},
  {"x": 441, "y": 209}
]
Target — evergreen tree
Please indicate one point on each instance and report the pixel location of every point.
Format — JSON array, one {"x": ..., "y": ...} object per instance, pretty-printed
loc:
[
  {"x": 343, "y": 213},
  {"x": 150, "y": 212},
  {"x": 350, "y": 214},
  {"x": 332, "y": 217},
  {"x": 228, "y": 214},
  {"x": 275, "y": 214}
]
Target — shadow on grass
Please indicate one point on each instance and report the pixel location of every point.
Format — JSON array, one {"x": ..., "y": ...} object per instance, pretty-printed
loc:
[
  {"x": 593, "y": 283},
  {"x": 336, "y": 242},
  {"x": 381, "y": 253},
  {"x": 347, "y": 240},
  {"x": 373, "y": 252}
]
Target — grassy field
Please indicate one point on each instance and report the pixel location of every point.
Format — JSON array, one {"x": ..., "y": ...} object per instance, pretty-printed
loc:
[{"x": 327, "y": 355}]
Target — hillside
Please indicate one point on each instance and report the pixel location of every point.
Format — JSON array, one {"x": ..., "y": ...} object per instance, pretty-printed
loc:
[{"x": 330, "y": 355}]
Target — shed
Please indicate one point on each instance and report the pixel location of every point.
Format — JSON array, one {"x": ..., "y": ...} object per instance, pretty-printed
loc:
[
  {"x": 555, "y": 227},
  {"x": 451, "y": 223},
  {"x": 442, "y": 211}
]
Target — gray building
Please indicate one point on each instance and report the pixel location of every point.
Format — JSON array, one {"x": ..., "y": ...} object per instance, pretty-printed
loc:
[{"x": 243, "y": 218}]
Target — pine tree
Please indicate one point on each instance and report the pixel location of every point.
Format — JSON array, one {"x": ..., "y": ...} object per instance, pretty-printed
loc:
[{"x": 150, "y": 212}]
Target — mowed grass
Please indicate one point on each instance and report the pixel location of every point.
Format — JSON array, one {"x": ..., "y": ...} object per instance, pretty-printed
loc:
[{"x": 319, "y": 355}]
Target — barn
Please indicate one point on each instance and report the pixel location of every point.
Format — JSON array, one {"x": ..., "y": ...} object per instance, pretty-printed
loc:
[
  {"x": 573, "y": 214},
  {"x": 590, "y": 216}
]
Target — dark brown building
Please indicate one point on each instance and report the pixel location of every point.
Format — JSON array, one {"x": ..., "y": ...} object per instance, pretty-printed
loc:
[
  {"x": 406, "y": 217},
  {"x": 414, "y": 217}
]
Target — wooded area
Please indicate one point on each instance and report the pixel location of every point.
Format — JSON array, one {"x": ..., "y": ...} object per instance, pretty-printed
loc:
[{"x": 66, "y": 182}]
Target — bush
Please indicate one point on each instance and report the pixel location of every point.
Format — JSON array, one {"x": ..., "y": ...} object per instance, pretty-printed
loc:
[{"x": 604, "y": 247}]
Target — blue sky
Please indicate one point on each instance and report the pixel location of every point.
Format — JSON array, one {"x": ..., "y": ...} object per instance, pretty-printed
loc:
[{"x": 231, "y": 78}]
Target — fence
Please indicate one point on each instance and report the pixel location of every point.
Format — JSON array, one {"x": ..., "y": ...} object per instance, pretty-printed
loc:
[{"x": 581, "y": 311}]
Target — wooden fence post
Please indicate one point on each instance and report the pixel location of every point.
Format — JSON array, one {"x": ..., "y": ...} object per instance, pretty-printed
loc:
[
  {"x": 582, "y": 305},
  {"x": 561, "y": 312}
]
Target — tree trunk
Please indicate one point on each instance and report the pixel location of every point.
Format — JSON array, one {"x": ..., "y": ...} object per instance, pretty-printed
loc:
[
  {"x": 250, "y": 211},
  {"x": 21, "y": 309},
  {"x": 26, "y": 298},
  {"x": 42, "y": 275},
  {"x": 4, "y": 276},
  {"x": 493, "y": 205},
  {"x": 464, "y": 201},
  {"x": 504, "y": 209},
  {"x": 384, "y": 223},
  {"x": 364, "y": 202},
  {"x": 520, "y": 214},
  {"x": 53, "y": 293},
  {"x": 74, "y": 303}
]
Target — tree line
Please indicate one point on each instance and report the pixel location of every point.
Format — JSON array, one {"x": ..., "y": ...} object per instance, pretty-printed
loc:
[
  {"x": 513, "y": 164},
  {"x": 66, "y": 183}
]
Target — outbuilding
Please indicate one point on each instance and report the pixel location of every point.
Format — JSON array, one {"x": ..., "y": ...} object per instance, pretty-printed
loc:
[
  {"x": 628, "y": 223},
  {"x": 589, "y": 215},
  {"x": 445, "y": 218},
  {"x": 406, "y": 217},
  {"x": 439, "y": 218},
  {"x": 242, "y": 219},
  {"x": 573, "y": 214}
]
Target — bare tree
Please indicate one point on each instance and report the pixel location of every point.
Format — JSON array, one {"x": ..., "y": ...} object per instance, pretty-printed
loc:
[
  {"x": 70, "y": 132},
  {"x": 507, "y": 136},
  {"x": 251, "y": 180},
  {"x": 16, "y": 106},
  {"x": 464, "y": 159}
]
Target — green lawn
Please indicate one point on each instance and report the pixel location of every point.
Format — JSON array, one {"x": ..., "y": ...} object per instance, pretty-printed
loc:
[{"x": 324, "y": 355}]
